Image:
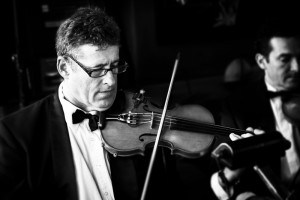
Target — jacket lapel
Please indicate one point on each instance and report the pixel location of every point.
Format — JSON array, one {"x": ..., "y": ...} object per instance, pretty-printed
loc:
[
  {"x": 124, "y": 177},
  {"x": 265, "y": 111},
  {"x": 62, "y": 157}
]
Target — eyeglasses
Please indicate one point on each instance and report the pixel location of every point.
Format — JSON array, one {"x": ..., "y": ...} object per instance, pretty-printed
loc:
[{"x": 95, "y": 73}]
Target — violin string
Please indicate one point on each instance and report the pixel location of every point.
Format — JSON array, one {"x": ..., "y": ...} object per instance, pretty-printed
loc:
[
  {"x": 197, "y": 128},
  {"x": 211, "y": 127},
  {"x": 188, "y": 125},
  {"x": 183, "y": 124}
]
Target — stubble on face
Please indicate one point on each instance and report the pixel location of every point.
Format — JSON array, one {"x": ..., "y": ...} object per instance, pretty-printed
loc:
[
  {"x": 93, "y": 93},
  {"x": 279, "y": 71}
]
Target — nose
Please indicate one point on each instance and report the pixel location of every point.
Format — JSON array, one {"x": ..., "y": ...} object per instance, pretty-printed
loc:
[
  {"x": 109, "y": 78},
  {"x": 295, "y": 65}
]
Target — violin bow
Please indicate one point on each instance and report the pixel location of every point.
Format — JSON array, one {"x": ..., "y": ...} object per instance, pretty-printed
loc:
[{"x": 160, "y": 129}]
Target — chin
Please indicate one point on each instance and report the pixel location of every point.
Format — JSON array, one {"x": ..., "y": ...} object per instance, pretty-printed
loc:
[
  {"x": 293, "y": 84},
  {"x": 291, "y": 87},
  {"x": 103, "y": 101},
  {"x": 103, "y": 105}
]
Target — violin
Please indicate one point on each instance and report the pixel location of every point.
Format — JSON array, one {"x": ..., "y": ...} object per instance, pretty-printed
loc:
[
  {"x": 139, "y": 125},
  {"x": 189, "y": 130}
]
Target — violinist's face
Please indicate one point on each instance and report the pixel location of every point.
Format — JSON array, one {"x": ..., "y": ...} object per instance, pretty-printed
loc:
[
  {"x": 84, "y": 91},
  {"x": 282, "y": 66}
]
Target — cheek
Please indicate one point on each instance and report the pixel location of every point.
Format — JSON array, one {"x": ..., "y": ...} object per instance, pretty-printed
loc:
[
  {"x": 276, "y": 69},
  {"x": 92, "y": 87},
  {"x": 276, "y": 75},
  {"x": 80, "y": 85}
]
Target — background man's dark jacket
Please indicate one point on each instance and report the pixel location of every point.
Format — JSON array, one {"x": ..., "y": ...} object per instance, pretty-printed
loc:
[{"x": 249, "y": 106}]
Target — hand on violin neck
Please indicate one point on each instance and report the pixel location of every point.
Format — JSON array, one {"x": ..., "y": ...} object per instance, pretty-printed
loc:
[{"x": 253, "y": 131}]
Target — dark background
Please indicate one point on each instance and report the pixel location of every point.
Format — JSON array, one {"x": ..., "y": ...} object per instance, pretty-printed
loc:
[{"x": 153, "y": 32}]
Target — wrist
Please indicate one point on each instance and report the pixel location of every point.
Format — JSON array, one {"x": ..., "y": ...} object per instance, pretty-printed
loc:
[
  {"x": 218, "y": 190},
  {"x": 225, "y": 182}
]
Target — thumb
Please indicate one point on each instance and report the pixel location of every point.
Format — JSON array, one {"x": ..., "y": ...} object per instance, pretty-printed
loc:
[{"x": 234, "y": 136}]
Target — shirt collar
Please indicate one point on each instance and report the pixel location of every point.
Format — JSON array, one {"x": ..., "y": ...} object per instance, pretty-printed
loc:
[
  {"x": 270, "y": 87},
  {"x": 68, "y": 107}
]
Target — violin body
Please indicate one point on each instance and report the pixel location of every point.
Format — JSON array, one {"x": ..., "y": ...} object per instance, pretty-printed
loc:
[{"x": 133, "y": 130}]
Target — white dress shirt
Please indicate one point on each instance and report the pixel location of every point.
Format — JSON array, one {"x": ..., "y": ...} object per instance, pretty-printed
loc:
[
  {"x": 290, "y": 162},
  {"x": 90, "y": 158}
]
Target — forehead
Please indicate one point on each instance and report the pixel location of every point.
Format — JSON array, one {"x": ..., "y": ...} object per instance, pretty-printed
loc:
[
  {"x": 89, "y": 51},
  {"x": 281, "y": 45}
]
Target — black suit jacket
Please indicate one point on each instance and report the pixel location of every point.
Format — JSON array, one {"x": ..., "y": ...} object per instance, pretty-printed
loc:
[
  {"x": 36, "y": 162},
  {"x": 36, "y": 158},
  {"x": 249, "y": 106}
]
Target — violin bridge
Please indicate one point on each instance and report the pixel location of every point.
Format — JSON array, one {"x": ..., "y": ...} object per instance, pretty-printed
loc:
[
  {"x": 129, "y": 118},
  {"x": 152, "y": 118}
]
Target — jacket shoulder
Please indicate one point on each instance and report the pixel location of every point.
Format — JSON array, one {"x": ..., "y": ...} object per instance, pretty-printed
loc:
[{"x": 32, "y": 118}]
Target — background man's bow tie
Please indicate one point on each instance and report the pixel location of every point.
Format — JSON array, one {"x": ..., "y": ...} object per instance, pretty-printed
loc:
[
  {"x": 78, "y": 116},
  {"x": 272, "y": 94}
]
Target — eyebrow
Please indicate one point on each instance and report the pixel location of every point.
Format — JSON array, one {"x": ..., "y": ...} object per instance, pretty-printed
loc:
[
  {"x": 100, "y": 66},
  {"x": 284, "y": 55}
]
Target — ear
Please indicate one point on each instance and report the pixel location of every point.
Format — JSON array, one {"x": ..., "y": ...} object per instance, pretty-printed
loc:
[
  {"x": 62, "y": 67},
  {"x": 261, "y": 61}
]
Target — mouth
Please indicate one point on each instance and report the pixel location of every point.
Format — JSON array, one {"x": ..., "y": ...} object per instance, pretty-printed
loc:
[
  {"x": 107, "y": 91},
  {"x": 294, "y": 75},
  {"x": 293, "y": 78}
]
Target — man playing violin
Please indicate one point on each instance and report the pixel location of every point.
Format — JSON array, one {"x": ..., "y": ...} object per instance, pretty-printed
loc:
[
  {"x": 261, "y": 104},
  {"x": 53, "y": 149},
  {"x": 44, "y": 153}
]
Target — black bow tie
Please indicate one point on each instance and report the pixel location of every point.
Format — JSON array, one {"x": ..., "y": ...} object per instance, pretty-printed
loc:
[
  {"x": 78, "y": 116},
  {"x": 272, "y": 94}
]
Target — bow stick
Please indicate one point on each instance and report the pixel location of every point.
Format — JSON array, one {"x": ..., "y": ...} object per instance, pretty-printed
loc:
[{"x": 159, "y": 129}]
